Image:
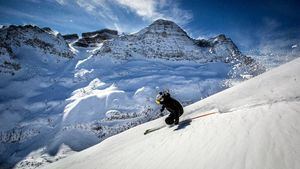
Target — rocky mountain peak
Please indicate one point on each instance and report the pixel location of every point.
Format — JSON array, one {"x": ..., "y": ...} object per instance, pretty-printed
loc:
[
  {"x": 164, "y": 28},
  {"x": 221, "y": 37},
  {"x": 164, "y": 22},
  {"x": 104, "y": 31}
]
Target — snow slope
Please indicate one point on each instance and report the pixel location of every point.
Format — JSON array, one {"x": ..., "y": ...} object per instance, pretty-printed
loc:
[{"x": 258, "y": 126}]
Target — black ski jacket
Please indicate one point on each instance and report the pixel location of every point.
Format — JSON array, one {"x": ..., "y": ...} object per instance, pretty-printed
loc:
[{"x": 172, "y": 105}]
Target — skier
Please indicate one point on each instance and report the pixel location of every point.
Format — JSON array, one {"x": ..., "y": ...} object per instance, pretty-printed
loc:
[{"x": 172, "y": 105}]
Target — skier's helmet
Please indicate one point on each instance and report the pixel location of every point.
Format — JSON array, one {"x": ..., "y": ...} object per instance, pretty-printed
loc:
[{"x": 160, "y": 97}]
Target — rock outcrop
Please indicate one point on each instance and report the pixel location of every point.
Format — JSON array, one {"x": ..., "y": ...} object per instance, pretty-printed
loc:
[
  {"x": 92, "y": 39},
  {"x": 71, "y": 37}
]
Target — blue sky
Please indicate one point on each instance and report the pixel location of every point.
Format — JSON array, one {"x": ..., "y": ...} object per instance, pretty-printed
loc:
[{"x": 253, "y": 25}]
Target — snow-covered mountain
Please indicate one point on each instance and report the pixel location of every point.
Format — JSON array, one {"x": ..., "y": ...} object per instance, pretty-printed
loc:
[
  {"x": 166, "y": 40},
  {"x": 57, "y": 98},
  {"x": 257, "y": 125},
  {"x": 20, "y": 44}
]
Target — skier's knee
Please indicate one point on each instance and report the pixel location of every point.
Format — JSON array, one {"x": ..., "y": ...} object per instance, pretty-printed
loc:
[{"x": 169, "y": 120}]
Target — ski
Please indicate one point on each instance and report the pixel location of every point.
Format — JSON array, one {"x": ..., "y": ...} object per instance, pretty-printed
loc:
[
  {"x": 154, "y": 129},
  {"x": 202, "y": 115},
  {"x": 183, "y": 122}
]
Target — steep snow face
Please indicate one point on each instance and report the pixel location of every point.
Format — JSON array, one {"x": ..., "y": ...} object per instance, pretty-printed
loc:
[
  {"x": 257, "y": 125},
  {"x": 19, "y": 44}
]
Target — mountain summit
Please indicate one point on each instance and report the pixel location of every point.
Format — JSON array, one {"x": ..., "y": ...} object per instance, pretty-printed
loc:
[{"x": 164, "y": 28}]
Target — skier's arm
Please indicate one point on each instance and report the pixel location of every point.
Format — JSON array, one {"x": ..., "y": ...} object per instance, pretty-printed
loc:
[{"x": 162, "y": 108}]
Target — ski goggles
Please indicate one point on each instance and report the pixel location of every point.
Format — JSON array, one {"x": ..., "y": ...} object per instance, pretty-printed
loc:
[
  {"x": 157, "y": 101},
  {"x": 159, "y": 98}
]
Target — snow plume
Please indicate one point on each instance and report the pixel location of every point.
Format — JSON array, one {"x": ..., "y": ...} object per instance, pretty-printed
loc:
[{"x": 276, "y": 45}]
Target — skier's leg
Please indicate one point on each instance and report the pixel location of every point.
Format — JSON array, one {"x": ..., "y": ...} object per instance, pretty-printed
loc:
[
  {"x": 177, "y": 115},
  {"x": 169, "y": 120},
  {"x": 176, "y": 118},
  {"x": 180, "y": 113}
]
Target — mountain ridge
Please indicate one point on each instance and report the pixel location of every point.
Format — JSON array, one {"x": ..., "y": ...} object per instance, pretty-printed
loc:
[{"x": 162, "y": 39}]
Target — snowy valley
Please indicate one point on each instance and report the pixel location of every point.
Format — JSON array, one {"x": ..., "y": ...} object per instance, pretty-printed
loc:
[{"x": 63, "y": 94}]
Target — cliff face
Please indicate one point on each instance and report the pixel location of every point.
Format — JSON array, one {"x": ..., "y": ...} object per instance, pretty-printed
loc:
[
  {"x": 70, "y": 37},
  {"x": 92, "y": 39}
]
